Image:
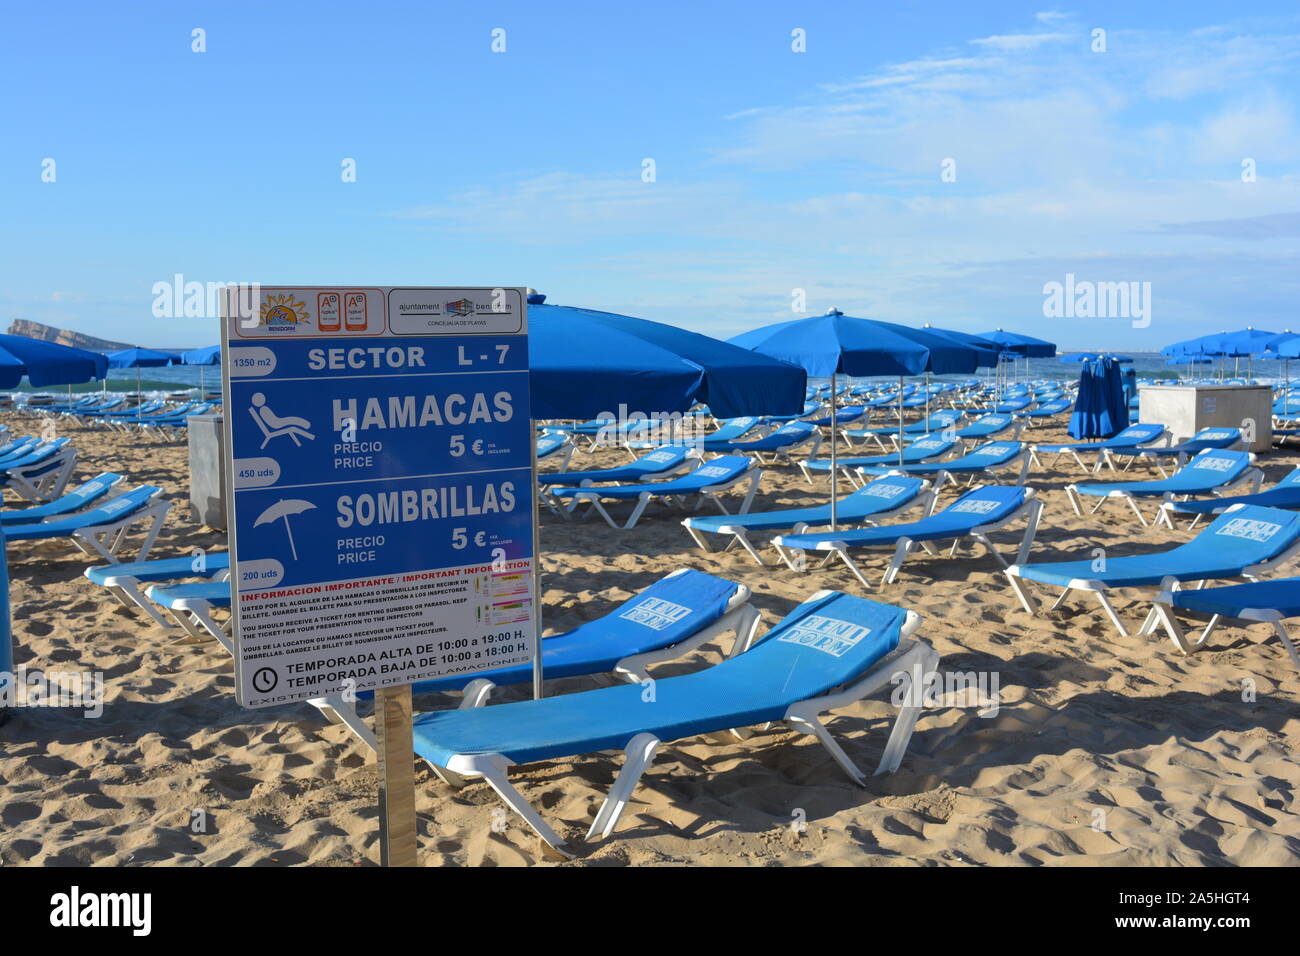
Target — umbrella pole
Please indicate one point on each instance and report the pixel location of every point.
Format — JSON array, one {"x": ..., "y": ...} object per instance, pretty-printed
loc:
[
  {"x": 927, "y": 399},
  {"x": 900, "y": 420},
  {"x": 289, "y": 531},
  {"x": 139, "y": 404},
  {"x": 835, "y": 470},
  {"x": 537, "y": 568}
]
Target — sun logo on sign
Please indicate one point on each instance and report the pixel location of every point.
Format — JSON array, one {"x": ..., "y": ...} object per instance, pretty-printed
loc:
[{"x": 283, "y": 312}]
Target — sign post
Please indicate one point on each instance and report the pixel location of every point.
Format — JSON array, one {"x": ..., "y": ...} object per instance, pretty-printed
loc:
[{"x": 382, "y": 483}]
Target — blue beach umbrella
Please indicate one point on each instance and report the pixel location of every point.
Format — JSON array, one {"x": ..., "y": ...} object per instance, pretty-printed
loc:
[
  {"x": 581, "y": 360},
  {"x": 46, "y": 363},
  {"x": 1017, "y": 344},
  {"x": 138, "y": 358},
  {"x": 838, "y": 344},
  {"x": 209, "y": 355},
  {"x": 1100, "y": 410}
]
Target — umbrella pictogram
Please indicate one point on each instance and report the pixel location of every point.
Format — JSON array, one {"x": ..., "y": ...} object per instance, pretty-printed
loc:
[{"x": 282, "y": 509}]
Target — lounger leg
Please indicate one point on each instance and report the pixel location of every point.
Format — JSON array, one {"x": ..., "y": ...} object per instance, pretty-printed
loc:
[
  {"x": 1026, "y": 601},
  {"x": 1074, "y": 499},
  {"x": 1112, "y": 614},
  {"x": 1174, "y": 629},
  {"x": 852, "y": 566},
  {"x": 128, "y": 592},
  {"x": 1132, "y": 503},
  {"x": 640, "y": 752},
  {"x": 988, "y": 546},
  {"x": 1280, "y": 631},
  {"x": 745, "y": 543},
  {"x": 803, "y": 718},
  {"x": 905, "y": 722},
  {"x": 494, "y": 771},
  {"x": 345, "y": 713},
  {"x": 697, "y": 537},
  {"x": 642, "y": 501},
  {"x": 476, "y": 693},
  {"x": 900, "y": 554},
  {"x": 1031, "y": 531}
]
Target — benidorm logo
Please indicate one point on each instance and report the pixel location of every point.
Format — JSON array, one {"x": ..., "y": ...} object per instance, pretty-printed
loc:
[
  {"x": 460, "y": 307},
  {"x": 284, "y": 312}
]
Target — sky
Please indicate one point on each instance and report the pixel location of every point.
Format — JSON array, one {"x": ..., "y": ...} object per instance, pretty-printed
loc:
[{"x": 718, "y": 166}]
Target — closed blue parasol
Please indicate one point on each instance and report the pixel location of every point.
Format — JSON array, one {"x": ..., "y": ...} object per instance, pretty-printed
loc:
[{"x": 1100, "y": 410}]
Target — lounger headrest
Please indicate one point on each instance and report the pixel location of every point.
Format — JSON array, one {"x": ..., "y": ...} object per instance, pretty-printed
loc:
[
  {"x": 1220, "y": 462},
  {"x": 889, "y": 488},
  {"x": 832, "y": 638},
  {"x": 1251, "y": 525}
]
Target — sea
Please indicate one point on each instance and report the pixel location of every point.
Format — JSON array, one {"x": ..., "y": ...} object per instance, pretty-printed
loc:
[{"x": 1148, "y": 365}]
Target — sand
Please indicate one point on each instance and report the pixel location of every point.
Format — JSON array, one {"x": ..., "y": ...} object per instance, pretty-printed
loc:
[{"x": 1104, "y": 750}]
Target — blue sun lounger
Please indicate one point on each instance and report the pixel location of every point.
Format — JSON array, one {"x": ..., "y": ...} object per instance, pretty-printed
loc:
[
  {"x": 729, "y": 431},
  {"x": 124, "y": 580},
  {"x": 1244, "y": 541},
  {"x": 672, "y": 618},
  {"x": 41, "y": 473},
  {"x": 84, "y": 494},
  {"x": 1013, "y": 405},
  {"x": 827, "y": 653},
  {"x": 844, "y": 415},
  {"x": 976, "y": 514},
  {"x": 1205, "y": 439},
  {"x": 1210, "y": 472},
  {"x": 878, "y": 500},
  {"x": 1048, "y": 409},
  {"x": 926, "y": 448},
  {"x": 778, "y": 444},
  {"x": 705, "y": 482},
  {"x": 16, "y": 448},
  {"x": 939, "y": 421},
  {"x": 1271, "y": 602},
  {"x": 1285, "y": 494},
  {"x": 809, "y": 408},
  {"x": 1129, "y": 441},
  {"x": 103, "y": 529},
  {"x": 555, "y": 445},
  {"x": 980, "y": 463},
  {"x": 658, "y": 463},
  {"x": 991, "y": 425}
]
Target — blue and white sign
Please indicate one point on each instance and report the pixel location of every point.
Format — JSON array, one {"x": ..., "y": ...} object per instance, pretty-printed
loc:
[{"x": 379, "y": 455}]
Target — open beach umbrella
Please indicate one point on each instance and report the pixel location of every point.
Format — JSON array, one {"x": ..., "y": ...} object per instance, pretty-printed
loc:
[
  {"x": 1017, "y": 344},
  {"x": 580, "y": 361},
  {"x": 46, "y": 363},
  {"x": 1100, "y": 411},
  {"x": 209, "y": 355},
  {"x": 138, "y": 358},
  {"x": 838, "y": 344}
]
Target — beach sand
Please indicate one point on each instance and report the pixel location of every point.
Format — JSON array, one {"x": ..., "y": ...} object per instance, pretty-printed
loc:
[{"x": 1104, "y": 750}]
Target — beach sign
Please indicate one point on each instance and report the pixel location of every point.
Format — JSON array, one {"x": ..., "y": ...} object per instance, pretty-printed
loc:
[
  {"x": 381, "y": 475},
  {"x": 380, "y": 472}
]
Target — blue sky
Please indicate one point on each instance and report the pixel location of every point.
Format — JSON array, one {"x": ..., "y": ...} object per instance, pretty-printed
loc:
[{"x": 774, "y": 170}]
